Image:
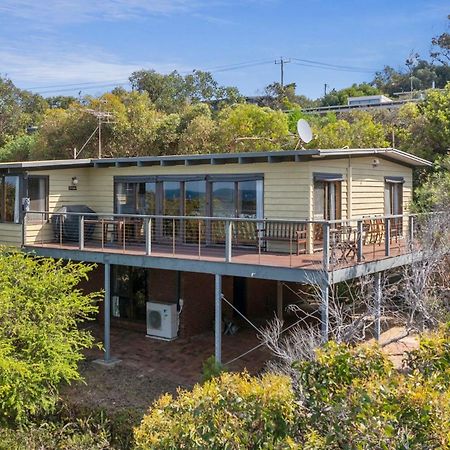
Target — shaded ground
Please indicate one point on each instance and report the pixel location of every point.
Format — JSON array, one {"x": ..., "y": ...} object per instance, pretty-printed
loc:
[
  {"x": 150, "y": 367},
  {"x": 118, "y": 387},
  {"x": 396, "y": 350}
]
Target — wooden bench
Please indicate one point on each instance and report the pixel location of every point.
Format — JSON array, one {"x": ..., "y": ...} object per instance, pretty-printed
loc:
[{"x": 285, "y": 232}]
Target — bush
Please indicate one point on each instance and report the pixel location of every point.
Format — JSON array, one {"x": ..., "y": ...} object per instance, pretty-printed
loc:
[
  {"x": 78, "y": 435},
  {"x": 233, "y": 411},
  {"x": 211, "y": 368},
  {"x": 353, "y": 399},
  {"x": 432, "y": 358},
  {"x": 40, "y": 342},
  {"x": 346, "y": 398}
]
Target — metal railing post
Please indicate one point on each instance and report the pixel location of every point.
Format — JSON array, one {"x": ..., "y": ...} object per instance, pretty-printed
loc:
[
  {"x": 387, "y": 236},
  {"x": 60, "y": 229},
  {"x": 103, "y": 232},
  {"x": 326, "y": 246},
  {"x": 148, "y": 236},
  {"x": 359, "y": 236},
  {"x": 199, "y": 239},
  {"x": 24, "y": 227},
  {"x": 81, "y": 231},
  {"x": 411, "y": 232},
  {"x": 228, "y": 240},
  {"x": 173, "y": 237}
]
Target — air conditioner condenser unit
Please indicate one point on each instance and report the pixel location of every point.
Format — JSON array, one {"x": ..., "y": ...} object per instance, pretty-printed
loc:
[{"x": 162, "y": 320}]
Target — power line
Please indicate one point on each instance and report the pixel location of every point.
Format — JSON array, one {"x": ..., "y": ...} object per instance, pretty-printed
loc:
[
  {"x": 335, "y": 66},
  {"x": 56, "y": 88},
  {"x": 92, "y": 84}
]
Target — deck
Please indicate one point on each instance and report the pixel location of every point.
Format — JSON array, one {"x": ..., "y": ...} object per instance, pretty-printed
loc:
[
  {"x": 249, "y": 255},
  {"x": 290, "y": 250}
]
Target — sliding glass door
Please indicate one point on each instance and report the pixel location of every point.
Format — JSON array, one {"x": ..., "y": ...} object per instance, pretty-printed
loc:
[{"x": 203, "y": 196}]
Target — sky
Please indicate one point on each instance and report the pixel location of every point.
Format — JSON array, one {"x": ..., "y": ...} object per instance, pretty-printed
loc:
[{"x": 80, "y": 47}]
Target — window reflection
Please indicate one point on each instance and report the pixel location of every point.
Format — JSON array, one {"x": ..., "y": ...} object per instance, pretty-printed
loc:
[
  {"x": 9, "y": 199},
  {"x": 223, "y": 199}
]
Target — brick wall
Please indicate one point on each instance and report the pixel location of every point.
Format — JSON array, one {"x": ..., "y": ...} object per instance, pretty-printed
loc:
[{"x": 197, "y": 291}]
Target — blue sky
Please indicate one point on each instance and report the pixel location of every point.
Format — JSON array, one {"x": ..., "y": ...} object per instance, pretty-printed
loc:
[{"x": 50, "y": 44}]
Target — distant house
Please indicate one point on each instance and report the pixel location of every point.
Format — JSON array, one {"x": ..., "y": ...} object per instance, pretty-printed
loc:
[
  {"x": 175, "y": 233},
  {"x": 368, "y": 100}
]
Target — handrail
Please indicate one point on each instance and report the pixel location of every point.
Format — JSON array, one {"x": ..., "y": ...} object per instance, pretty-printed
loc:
[
  {"x": 341, "y": 242},
  {"x": 232, "y": 219}
]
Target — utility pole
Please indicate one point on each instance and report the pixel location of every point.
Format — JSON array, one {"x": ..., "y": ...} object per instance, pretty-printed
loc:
[
  {"x": 282, "y": 62},
  {"x": 325, "y": 86}
]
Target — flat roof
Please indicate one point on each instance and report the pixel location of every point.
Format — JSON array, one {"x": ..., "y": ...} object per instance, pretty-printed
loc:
[{"x": 218, "y": 158}]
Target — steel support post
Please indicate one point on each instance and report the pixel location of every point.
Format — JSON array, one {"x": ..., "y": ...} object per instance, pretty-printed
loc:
[
  {"x": 377, "y": 293},
  {"x": 218, "y": 319},
  {"x": 107, "y": 312},
  {"x": 324, "y": 310}
]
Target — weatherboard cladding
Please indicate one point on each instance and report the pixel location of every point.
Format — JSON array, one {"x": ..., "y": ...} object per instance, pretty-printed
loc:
[{"x": 288, "y": 186}]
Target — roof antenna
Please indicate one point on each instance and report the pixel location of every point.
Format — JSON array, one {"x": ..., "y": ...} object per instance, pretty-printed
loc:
[
  {"x": 304, "y": 133},
  {"x": 102, "y": 118}
]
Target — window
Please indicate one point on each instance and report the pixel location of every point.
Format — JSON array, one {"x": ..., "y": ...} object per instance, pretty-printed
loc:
[
  {"x": 223, "y": 199},
  {"x": 197, "y": 195},
  {"x": 328, "y": 196},
  {"x": 10, "y": 198},
  {"x": 393, "y": 201},
  {"x": 38, "y": 195}
]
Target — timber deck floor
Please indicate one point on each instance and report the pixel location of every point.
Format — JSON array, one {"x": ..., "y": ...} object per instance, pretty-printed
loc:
[{"x": 249, "y": 255}]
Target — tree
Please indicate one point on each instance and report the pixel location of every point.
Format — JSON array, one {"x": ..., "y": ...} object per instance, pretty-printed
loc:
[
  {"x": 341, "y": 97},
  {"x": 248, "y": 127},
  {"x": 441, "y": 48},
  {"x": 18, "y": 149},
  {"x": 436, "y": 111},
  {"x": 423, "y": 73},
  {"x": 60, "y": 101},
  {"x": 41, "y": 344},
  {"x": 18, "y": 108},
  {"x": 433, "y": 193},
  {"x": 361, "y": 131},
  {"x": 171, "y": 93}
]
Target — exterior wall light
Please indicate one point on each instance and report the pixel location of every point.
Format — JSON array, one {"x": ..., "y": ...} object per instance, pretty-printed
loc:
[
  {"x": 74, "y": 181},
  {"x": 375, "y": 162}
]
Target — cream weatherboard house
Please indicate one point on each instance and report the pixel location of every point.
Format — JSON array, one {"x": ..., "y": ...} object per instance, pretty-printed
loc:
[{"x": 172, "y": 234}]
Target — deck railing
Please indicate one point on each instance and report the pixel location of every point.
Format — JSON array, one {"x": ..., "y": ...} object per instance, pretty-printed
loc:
[{"x": 293, "y": 243}]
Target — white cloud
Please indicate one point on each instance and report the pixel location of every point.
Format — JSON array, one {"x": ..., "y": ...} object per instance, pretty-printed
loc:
[
  {"x": 62, "y": 65},
  {"x": 72, "y": 11}
]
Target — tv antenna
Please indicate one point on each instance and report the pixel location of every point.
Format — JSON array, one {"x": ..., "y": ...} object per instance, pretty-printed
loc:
[
  {"x": 304, "y": 133},
  {"x": 102, "y": 117}
]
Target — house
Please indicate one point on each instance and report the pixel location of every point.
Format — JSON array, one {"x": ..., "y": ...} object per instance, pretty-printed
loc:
[
  {"x": 365, "y": 100},
  {"x": 187, "y": 232}
]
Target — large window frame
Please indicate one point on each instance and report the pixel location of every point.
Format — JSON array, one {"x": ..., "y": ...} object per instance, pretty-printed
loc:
[
  {"x": 327, "y": 191},
  {"x": 6, "y": 214},
  {"x": 183, "y": 179},
  {"x": 393, "y": 202}
]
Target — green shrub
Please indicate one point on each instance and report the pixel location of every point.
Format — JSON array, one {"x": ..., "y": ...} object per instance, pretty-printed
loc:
[
  {"x": 346, "y": 398},
  {"x": 78, "y": 435},
  {"x": 211, "y": 368},
  {"x": 233, "y": 411},
  {"x": 432, "y": 358},
  {"x": 353, "y": 399},
  {"x": 40, "y": 341}
]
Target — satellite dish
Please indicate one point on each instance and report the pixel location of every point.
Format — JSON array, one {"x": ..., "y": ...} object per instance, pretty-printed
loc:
[{"x": 304, "y": 131}]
